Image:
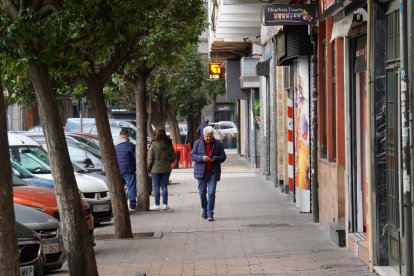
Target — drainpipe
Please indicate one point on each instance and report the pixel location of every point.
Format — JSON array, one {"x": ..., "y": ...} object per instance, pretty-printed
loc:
[
  {"x": 274, "y": 121},
  {"x": 369, "y": 134},
  {"x": 313, "y": 132},
  {"x": 405, "y": 139},
  {"x": 268, "y": 143}
]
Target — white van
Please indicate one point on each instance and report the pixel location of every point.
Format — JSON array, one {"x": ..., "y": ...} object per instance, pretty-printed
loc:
[{"x": 30, "y": 155}]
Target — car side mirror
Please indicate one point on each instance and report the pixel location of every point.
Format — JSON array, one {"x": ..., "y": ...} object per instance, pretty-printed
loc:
[{"x": 88, "y": 163}]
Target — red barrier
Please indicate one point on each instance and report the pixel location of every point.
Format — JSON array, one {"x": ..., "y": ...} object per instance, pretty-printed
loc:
[{"x": 183, "y": 152}]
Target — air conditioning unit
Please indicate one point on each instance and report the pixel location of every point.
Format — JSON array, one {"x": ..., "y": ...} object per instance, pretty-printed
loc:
[{"x": 287, "y": 77}]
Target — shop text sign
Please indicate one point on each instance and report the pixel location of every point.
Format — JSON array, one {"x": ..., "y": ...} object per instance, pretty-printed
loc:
[
  {"x": 288, "y": 14},
  {"x": 215, "y": 69}
]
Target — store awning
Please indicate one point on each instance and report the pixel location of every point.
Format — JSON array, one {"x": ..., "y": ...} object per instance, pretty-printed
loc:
[{"x": 342, "y": 26}]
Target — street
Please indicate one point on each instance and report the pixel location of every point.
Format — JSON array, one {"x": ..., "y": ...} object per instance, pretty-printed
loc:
[{"x": 257, "y": 231}]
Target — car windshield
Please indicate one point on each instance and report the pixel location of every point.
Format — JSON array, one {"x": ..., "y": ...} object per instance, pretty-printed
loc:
[
  {"x": 20, "y": 171},
  {"x": 78, "y": 169},
  {"x": 17, "y": 181},
  {"x": 32, "y": 158},
  {"x": 89, "y": 142}
]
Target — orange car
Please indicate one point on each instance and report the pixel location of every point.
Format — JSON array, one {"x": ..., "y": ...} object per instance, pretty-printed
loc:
[{"x": 44, "y": 199}]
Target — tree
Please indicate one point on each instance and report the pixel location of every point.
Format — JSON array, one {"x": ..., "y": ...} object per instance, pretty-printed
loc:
[
  {"x": 170, "y": 25},
  {"x": 9, "y": 254},
  {"x": 27, "y": 43},
  {"x": 182, "y": 90}
]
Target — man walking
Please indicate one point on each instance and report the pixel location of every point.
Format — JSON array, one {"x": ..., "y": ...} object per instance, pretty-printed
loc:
[
  {"x": 208, "y": 154},
  {"x": 201, "y": 127},
  {"x": 125, "y": 153}
]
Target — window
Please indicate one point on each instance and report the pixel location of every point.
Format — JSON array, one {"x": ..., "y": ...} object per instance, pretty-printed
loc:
[{"x": 393, "y": 35}]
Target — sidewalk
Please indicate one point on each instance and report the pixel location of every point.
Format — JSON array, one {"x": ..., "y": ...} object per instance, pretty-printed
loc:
[{"x": 257, "y": 231}]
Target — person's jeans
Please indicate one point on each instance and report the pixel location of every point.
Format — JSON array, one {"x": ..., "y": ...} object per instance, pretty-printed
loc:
[
  {"x": 207, "y": 191},
  {"x": 160, "y": 180},
  {"x": 131, "y": 184}
]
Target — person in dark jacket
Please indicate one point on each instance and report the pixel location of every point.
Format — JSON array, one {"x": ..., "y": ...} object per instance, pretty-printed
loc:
[
  {"x": 161, "y": 155},
  {"x": 208, "y": 154},
  {"x": 125, "y": 153},
  {"x": 201, "y": 127}
]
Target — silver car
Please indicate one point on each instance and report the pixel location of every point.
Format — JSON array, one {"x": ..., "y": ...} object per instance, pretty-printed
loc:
[{"x": 48, "y": 229}]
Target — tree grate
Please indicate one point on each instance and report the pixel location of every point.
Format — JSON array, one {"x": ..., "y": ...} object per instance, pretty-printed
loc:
[
  {"x": 268, "y": 225},
  {"x": 137, "y": 236}
]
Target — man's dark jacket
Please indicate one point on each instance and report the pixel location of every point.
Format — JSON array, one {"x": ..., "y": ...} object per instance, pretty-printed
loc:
[
  {"x": 199, "y": 150},
  {"x": 125, "y": 153}
]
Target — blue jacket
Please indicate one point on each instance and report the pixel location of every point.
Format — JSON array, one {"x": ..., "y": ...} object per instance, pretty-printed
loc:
[
  {"x": 125, "y": 153},
  {"x": 199, "y": 150}
]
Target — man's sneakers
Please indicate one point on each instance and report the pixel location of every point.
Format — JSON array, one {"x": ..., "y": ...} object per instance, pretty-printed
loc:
[
  {"x": 165, "y": 207},
  {"x": 131, "y": 209},
  {"x": 208, "y": 217},
  {"x": 155, "y": 208}
]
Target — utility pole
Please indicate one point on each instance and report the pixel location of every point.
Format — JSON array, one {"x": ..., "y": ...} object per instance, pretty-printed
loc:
[{"x": 405, "y": 140}]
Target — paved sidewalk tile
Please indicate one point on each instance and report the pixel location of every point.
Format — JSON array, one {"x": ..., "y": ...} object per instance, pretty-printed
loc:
[{"x": 257, "y": 231}]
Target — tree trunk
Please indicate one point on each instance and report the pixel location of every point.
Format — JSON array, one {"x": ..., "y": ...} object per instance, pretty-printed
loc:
[
  {"x": 173, "y": 123},
  {"x": 141, "y": 149},
  {"x": 78, "y": 246},
  {"x": 122, "y": 223},
  {"x": 9, "y": 254}
]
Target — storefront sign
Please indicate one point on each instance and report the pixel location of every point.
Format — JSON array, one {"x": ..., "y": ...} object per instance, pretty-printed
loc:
[
  {"x": 224, "y": 107},
  {"x": 215, "y": 70},
  {"x": 329, "y": 6},
  {"x": 285, "y": 14}
]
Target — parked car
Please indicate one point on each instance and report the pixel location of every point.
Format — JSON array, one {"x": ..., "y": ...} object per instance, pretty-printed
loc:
[
  {"x": 115, "y": 130},
  {"x": 32, "y": 259},
  {"x": 36, "y": 129},
  {"x": 123, "y": 123},
  {"x": 226, "y": 127},
  {"x": 83, "y": 155},
  {"x": 30, "y": 178},
  {"x": 73, "y": 124},
  {"x": 44, "y": 200},
  {"x": 85, "y": 138},
  {"x": 48, "y": 229},
  {"x": 30, "y": 155},
  {"x": 228, "y": 131}
]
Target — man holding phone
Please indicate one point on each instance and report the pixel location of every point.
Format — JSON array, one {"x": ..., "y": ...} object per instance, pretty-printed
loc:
[{"x": 208, "y": 154}]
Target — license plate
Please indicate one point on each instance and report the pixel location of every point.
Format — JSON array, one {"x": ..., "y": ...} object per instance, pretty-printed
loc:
[
  {"x": 27, "y": 270},
  {"x": 51, "y": 248},
  {"x": 101, "y": 208}
]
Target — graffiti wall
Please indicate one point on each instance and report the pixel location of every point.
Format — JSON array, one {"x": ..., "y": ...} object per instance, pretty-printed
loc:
[{"x": 302, "y": 146}]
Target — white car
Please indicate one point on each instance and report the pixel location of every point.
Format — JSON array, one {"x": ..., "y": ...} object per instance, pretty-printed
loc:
[
  {"x": 225, "y": 127},
  {"x": 30, "y": 155}
]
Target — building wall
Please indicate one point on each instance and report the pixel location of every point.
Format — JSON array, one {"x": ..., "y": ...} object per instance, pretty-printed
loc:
[
  {"x": 281, "y": 95},
  {"x": 331, "y": 193},
  {"x": 331, "y": 119},
  {"x": 265, "y": 104}
]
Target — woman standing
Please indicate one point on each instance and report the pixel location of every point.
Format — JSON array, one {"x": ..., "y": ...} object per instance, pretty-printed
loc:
[{"x": 161, "y": 155}]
